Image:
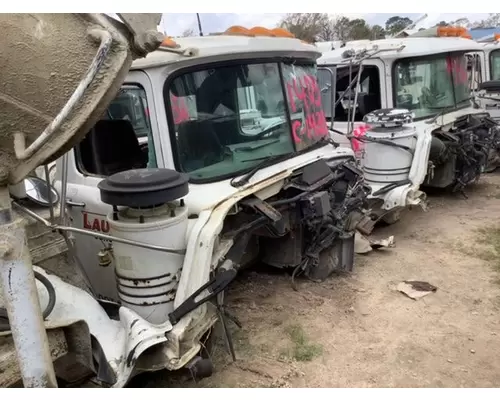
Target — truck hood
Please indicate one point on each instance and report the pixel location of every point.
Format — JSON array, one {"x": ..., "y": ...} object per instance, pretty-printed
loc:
[{"x": 208, "y": 196}]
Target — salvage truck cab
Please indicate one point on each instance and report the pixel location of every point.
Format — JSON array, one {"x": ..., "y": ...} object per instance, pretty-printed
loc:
[
  {"x": 487, "y": 74},
  {"x": 216, "y": 148},
  {"x": 405, "y": 104}
]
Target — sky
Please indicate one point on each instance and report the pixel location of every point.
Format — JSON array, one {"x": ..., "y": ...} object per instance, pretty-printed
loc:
[{"x": 175, "y": 24}]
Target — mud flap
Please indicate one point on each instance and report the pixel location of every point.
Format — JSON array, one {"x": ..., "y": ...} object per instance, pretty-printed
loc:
[{"x": 339, "y": 258}]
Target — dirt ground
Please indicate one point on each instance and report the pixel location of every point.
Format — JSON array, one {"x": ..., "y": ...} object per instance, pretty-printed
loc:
[{"x": 358, "y": 331}]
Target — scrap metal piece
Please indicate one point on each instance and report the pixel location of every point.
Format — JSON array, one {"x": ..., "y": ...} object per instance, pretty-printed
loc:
[
  {"x": 416, "y": 289},
  {"x": 363, "y": 245}
]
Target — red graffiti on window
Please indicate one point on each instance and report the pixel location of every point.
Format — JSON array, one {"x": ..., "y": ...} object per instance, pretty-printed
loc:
[
  {"x": 457, "y": 67},
  {"x": 180, "y": 110},
  {"x": 304, "y": 93}
]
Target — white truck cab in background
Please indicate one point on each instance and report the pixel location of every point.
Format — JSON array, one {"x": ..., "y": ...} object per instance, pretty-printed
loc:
[{"x": 424, "y": 74}]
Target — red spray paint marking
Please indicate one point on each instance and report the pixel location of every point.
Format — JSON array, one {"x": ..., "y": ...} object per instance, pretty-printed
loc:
[
  {"x": 359, "y": 131},
  {"x": 179, "y": 109},
  {"x": 305, "y": 90},
  {"x": 310, "y": 130},
  {"x": 458, "y": 68}
]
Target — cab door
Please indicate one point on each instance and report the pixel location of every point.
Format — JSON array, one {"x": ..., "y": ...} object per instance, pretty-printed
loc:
[{"x": 134, "y": 102}]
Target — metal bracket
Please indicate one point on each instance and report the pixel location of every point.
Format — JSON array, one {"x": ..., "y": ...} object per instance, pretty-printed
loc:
[
  {"x": 145, "y": 41},
  {"x": 263, "y": 208}
]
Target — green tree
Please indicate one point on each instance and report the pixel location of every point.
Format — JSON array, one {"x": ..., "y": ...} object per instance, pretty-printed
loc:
[
  {"x": 359, "y": 30},
  {"x": 492, "y": 21},
  {"x": 377, "y": 32},
  {"x": 319, "y": 27},
  {"x": 442, "y": 23},
  {"x": 463, "y": 22},
  {"x": 306, "y": 26},
  {"x": 341, "y": 28},
  {"x": 396, "y": 24},
  {"x": 345, "y": 29}
]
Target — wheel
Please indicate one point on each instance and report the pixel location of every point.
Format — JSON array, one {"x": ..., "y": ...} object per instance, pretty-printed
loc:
[
  {"x": 392, "y": 217},
  {"x": 328, "y": 264},
  {"x": 200, "y": 368},
  {"x": 493, "y": 162}
]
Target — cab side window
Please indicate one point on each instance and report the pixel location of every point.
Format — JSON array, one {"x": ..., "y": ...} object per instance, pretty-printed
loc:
[
  {"x": 369, "y": 96},
  {"x": 474, "y": 71},
  {"x": 495, "y": 65},
  {"x": 120, "y": 140}
]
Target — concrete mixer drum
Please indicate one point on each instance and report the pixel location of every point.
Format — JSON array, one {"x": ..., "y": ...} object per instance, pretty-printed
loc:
[{"x": 59, "y": 72}]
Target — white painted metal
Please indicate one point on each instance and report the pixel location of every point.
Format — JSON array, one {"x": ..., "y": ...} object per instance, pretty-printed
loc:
[
  {"x": 20, "y": 298},
  {"x": 394, "y": 50},
  {"x": 122, "y": 341},
  {"x": 210, "y": 202},
  {"x": 147, "y": 280},
  {"x": 202, "y": 48},
  {"x": 413, "y": 47},
  {"x": 385, "y": 164},
  {"x": 487, "y": 100}
]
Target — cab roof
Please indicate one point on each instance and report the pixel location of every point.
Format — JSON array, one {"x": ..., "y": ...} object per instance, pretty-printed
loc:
[
  {"x": 209, "y": 47},
  {"x": 403, "y": 48},
  {"x": 487, "y": 46}
]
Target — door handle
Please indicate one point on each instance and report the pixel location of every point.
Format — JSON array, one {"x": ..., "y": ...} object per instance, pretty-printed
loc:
[{"x": 72, "y": 203}]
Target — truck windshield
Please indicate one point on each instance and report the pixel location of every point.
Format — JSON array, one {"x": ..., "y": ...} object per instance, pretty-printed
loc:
[
  {"x": 495, "y": 65},
  {"x": 427, "y": 85},
  {"x": 226, "y": 119}
]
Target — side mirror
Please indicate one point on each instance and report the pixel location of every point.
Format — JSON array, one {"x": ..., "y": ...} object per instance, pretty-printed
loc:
[{"x": 38, "y": 191}]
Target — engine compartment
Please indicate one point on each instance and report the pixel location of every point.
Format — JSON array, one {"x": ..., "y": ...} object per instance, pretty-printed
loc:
[
  {"x": 459, "y": 156},
  {"x": 309, "y": 225}
]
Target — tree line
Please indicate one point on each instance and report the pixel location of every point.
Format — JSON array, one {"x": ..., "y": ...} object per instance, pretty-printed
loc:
[
  {"x": 321, "y": 27},
  {"x": 318, "y": 27}
]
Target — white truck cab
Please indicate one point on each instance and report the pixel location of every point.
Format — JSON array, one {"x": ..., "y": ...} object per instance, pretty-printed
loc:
[
  {"x": 486, "y": 87},
  {"x": 214, "y": 154},
  {"x": 490, "y": 57},
  {"x": 424, "y": 75}
]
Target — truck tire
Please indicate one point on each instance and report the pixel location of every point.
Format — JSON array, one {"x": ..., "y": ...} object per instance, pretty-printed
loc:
[{"x": 392, "y": 217}]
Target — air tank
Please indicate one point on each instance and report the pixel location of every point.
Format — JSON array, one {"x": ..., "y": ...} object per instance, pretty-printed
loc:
[
  {"x": 148, "y": 208},
  {"x": 389, "y": 146}
]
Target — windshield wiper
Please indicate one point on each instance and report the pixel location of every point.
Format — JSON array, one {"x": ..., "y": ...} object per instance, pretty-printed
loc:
[
  {"x": 449, "y": 108},
  {"x": 271, "y": 128},
  {"x": 264, "y": 163},
  {"x": 256, "y": 146},
  {"x": 328, "y": 140},
  {"x": 443, "y": 111},
  {"x": 238, "y": 182}
]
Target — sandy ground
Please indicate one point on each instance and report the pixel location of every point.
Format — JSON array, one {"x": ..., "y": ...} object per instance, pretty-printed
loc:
[{"x": 358, "y": 331}]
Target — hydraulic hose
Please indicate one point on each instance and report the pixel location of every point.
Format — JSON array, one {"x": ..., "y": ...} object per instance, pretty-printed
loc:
[{"x": 4, "y": 326}]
